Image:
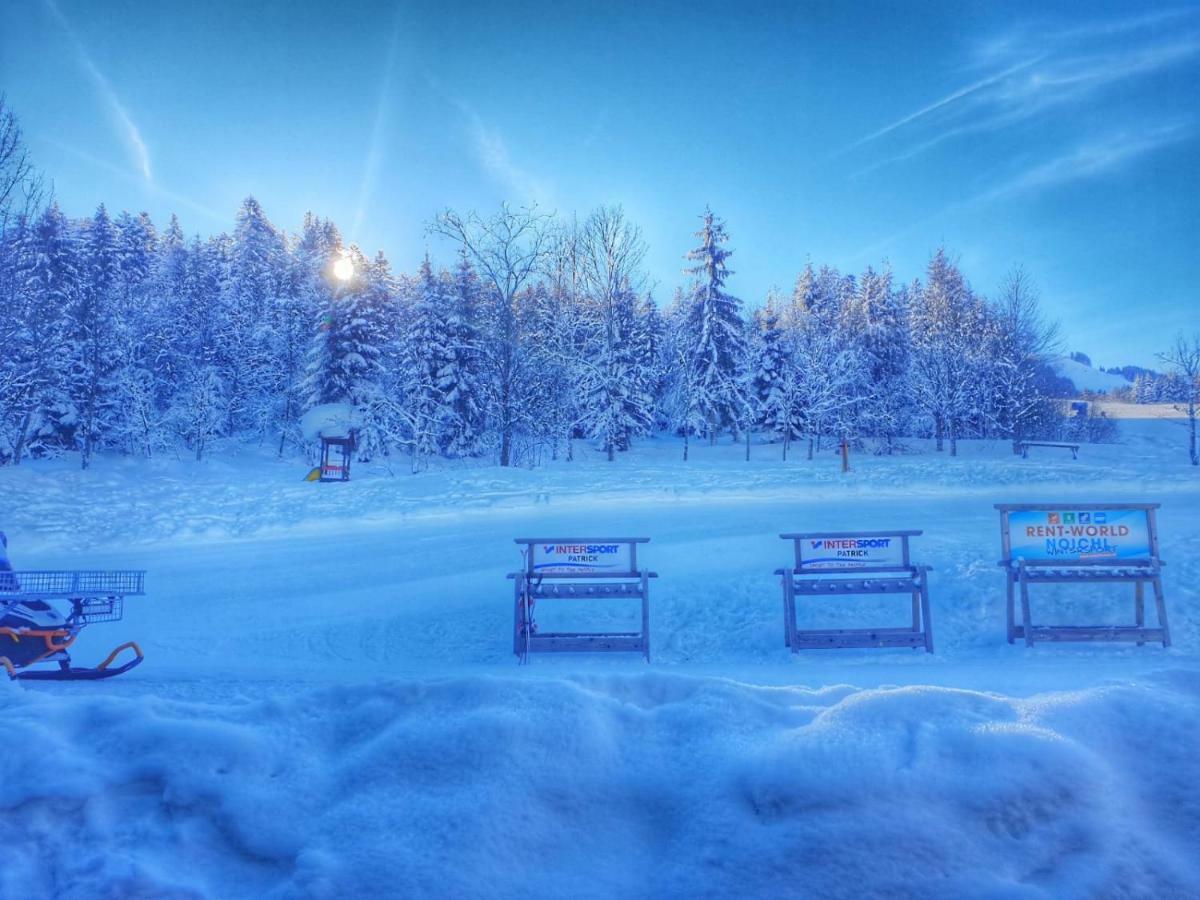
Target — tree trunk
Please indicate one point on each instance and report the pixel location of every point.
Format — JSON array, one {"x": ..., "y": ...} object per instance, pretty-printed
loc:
[
  {"x": 1192, "y": 437},
  {"x": 938, "y": 432},
  {"x": 685, "y": 445},
  {"x": 810, "y": 446},
  {"x": 786, "y": 440},
  {"x": 23, "y": 435},
  {"x": 505, "y": 445},
  {"x": 747, "y": 445}
]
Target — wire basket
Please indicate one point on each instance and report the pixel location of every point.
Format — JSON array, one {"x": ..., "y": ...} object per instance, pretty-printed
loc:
[
  {"x": 109, "y": 609},
  {"x": 74, "y": 584}
]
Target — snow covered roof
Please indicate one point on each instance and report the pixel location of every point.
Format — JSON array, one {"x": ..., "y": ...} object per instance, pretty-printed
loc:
[{"x": 330, "y": 420}]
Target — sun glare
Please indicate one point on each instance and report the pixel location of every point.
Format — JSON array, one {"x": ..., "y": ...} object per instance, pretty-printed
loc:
[{"x": 343, "y": 269}]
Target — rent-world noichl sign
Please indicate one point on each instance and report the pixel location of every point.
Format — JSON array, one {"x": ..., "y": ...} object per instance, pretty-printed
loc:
[{"x": 1079, "y": 535}]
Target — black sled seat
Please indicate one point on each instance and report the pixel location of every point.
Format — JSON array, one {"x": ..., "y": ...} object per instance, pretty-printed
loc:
[
  {"x": 1081, "y": 543},
  {"x": 35, "y": 630},
  {"x": 579, "y": 569}
]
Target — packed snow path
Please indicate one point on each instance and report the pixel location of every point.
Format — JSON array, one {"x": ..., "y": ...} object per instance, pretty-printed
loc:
[{"x": 330, "y": 706}]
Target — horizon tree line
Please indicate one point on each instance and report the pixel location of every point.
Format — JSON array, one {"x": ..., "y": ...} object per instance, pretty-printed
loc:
[{"x": 544, "y": 333}]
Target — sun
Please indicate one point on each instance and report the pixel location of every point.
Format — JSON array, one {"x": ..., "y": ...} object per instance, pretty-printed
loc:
[{"x": 343, "y": 269}]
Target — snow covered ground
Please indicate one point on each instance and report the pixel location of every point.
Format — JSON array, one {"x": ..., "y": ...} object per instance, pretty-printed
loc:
[{"x": 329, "y": 705}]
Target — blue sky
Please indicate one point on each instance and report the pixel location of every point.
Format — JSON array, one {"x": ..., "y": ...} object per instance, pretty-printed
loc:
[{"x": 1061, "y": 137}]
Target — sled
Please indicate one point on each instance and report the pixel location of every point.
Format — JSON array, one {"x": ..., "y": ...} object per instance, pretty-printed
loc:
[
  {"x": 68, "y": 672},
  {"x": 35, "y": 631}
]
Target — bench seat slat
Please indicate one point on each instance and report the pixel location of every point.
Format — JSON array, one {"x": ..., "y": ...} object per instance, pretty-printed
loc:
[
  {"x": 563, "y": 643},
  {"x": 1067, "y": 633},
  {"x": 858, "y": 586}
]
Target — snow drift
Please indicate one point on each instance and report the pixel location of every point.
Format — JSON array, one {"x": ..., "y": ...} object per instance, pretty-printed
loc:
[{"x": 648, "y": 785}]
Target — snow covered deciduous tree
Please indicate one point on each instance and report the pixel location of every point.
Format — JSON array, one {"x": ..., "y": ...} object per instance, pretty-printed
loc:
[
  {"x": 1184, "y": 359},
  {"x": 949, "y": 327},
  {"x": 507, "y": 250},
  {"x": 617, "y": 406},
  {"x": 879, "y": 320},
  {"x": 1024, "y": 342}
]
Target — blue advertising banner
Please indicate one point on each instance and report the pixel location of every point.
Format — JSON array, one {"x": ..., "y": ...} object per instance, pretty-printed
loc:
[
  {"x": 594, "y": 558},
  {"x": 1069, "y": 535},
  {"x": 851, "y": 552}
]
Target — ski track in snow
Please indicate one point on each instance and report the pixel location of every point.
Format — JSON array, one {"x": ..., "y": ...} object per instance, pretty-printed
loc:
[{"x": 330, "y": 706}]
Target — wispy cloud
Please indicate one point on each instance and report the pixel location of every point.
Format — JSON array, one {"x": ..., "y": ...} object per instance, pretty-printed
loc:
[
  {"x": 157, "y": 189},
  {"x": 492, "y": 152},
  {"x": 1092, "y": 158},
  {"x": 1041, "y": 33},
  {"x": 1089, "y": 159},
  {"x": 129, "y": 130},
  {"x": 1035, "y": 69},
  {"x": 370, "y": 175},
  {"x": 952, "y": 97}
]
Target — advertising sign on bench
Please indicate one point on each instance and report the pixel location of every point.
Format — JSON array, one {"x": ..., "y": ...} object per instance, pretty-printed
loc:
[
  {"x": 855, "y": 563},
  {"x": 1089, "y": 543},
  {"x": 579, "y": 569}
]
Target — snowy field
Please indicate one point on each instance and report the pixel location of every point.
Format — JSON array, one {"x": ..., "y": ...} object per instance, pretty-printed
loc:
[{"x": 330, "y": 708}]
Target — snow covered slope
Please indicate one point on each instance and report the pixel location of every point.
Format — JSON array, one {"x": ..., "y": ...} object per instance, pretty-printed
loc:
[
  {"x": 1085, "y": 378},
  {"x": 329, "y": 705}
]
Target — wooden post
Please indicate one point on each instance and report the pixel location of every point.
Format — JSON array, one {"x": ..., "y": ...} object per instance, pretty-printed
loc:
[
  {"x": 518, "y": 583},
  {"x": 1008, "y": 607},
  {"x": 925, "y": 611},
  {"x": 789, "y": 609},
  {"x": 646, "y": 614},
  {"x": 1026, "y": 616},
  {"x": 1139, "y": 607},
  {"x": 1161, "y": 606}
]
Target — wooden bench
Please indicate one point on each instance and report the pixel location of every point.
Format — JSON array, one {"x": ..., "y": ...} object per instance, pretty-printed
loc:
[
  {"x": 1025, "y": 445},
  {"x": 845, "y": 563},
  {"x": 1082, "y": 543},
  {"x": 579, "y": 569}
]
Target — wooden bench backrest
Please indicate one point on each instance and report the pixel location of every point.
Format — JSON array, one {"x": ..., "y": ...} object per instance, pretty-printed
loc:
[
  {"x": 581, "y": 557},
  {"x": 1078, "y": 534},
  {"x": 834, "y": 552}
]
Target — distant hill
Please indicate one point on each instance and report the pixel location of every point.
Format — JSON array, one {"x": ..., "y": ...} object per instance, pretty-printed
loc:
[{"x": 1085, "y": 378}]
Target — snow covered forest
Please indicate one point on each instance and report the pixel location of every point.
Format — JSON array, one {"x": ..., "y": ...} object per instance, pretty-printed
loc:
[{"x": 537, "y": 332}]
